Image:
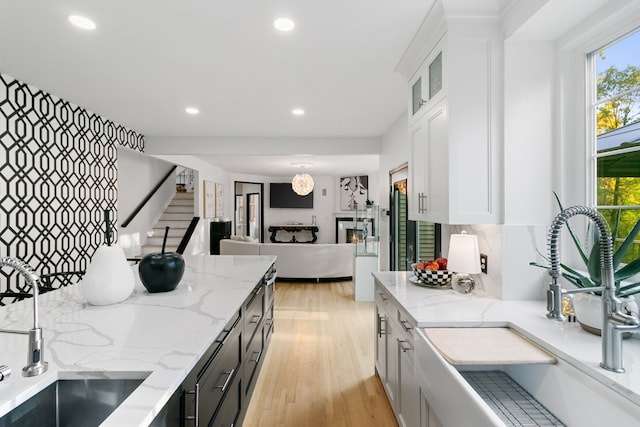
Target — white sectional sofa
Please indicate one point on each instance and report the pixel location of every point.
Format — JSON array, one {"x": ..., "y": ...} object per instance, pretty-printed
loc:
[{"x": 300, "y": 260}]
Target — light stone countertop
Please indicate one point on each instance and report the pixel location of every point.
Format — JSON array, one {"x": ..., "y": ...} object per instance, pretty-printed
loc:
[
  {"x": 567, "y": 341},
  {"x": 159, "y": 336}
]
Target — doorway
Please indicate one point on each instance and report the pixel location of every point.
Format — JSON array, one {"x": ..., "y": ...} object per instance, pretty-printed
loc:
[
  {"x": 249, "y": 209},
  {"x": 410, "y": 241}
]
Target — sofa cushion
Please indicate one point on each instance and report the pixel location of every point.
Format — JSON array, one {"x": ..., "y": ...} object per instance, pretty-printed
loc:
[{"x": 299, "y": 260}]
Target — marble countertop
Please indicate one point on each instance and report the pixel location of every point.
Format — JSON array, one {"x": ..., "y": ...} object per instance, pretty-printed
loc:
[
  {"x": 443, "y": 307},
  {"x": 158, "y": 336}
]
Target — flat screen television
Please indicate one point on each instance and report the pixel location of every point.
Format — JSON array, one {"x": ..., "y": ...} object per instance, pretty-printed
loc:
[{"x": 281, "y": 195}]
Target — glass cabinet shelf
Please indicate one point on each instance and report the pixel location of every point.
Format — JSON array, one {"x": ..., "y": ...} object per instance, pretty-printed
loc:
[{"x": 366, "y": 234}]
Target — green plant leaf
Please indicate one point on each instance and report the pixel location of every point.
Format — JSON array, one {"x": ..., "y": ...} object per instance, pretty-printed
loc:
[
  {"x": 581, "y": 250},
  {"x": 628, "y": 290},
  {"x": 618, "y": 256},
  {"x": 536, "y": 264},
  {"x": 593, "y": 266},
  {"x": 628, "y": 270}
]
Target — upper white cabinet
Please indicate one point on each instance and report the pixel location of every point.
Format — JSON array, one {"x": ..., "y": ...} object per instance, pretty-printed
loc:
[
  {"x": 455, "y": 84},
  {"x": 426, "y": 87}
]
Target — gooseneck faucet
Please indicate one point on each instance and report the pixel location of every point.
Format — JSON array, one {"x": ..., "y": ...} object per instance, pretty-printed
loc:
[
  {"x": 35, "y": 361},
  {"x": 614, "y": 321}
]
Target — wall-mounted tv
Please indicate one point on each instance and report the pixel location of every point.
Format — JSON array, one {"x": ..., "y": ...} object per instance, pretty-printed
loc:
[{"x": 281, "y": 195}]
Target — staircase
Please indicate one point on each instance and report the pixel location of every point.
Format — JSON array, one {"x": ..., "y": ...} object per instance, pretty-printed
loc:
[{"x": 177, "y": 217}]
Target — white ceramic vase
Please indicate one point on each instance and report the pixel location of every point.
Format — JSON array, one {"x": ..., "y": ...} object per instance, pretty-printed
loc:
[
  {"x": 109, "y": 278},
  {"x": 588, "y": 310}
]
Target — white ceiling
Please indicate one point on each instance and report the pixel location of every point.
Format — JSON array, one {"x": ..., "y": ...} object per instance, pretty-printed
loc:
[{"x": 149, "y": 59}]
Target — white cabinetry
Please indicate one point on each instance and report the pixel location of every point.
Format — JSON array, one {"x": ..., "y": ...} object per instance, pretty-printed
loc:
[
  {"x": 428, "y": 417},
  {"x": 395, "y": 358},
  {"x": 455, "y": 133},
  {"x": 428, "y": 185}
]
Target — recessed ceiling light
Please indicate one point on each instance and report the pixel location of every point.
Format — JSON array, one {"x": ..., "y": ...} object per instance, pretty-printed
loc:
[
  {"x": 82, "y": 22},
  {"x": 192, "y": 110},
  {"x": 297, "y": 112},
  {"x": 284, "y": 24}
]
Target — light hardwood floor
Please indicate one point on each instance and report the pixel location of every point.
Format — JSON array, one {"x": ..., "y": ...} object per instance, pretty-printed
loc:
[{"x": 319, "y": 369}]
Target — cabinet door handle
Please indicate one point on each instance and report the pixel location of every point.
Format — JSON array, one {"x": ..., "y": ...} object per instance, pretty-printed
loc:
[
  {"x": 404, "y": 346},
  {"x": 224, "y": 386},
  {"x": 422, "y": 203},
  {"x": 194, "y": 417},
  {"x": 382, "y": 296},
  {"x": 406, "y": 325},
  {"x": 255, "y": 318},
  {"x": 257, "y": 357}
]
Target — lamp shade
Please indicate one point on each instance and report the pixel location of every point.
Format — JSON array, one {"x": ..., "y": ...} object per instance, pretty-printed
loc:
[
  {"x": 464, "y": 254},
  {"x": 302, "y": 184}
]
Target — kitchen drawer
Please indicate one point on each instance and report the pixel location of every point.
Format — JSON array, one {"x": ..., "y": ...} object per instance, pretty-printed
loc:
[
  {"x": 253, "y": 312},
  {"x": 218, "y": 378},
  {"x": 382, "y": 298},
  {"x": 251, "y": 361},
  {"x": 268, "y": 323},
  {"x": 230, "y": 410},
  {"x": 405, "y": 322}
]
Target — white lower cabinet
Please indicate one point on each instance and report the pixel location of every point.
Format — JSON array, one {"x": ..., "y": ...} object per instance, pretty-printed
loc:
[
  {"x": 395, "y": 358},
  {"x": 428, "y": 417}
]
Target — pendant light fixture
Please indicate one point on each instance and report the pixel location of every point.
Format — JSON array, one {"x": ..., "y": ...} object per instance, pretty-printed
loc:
[{"x": 302, "y": 183}]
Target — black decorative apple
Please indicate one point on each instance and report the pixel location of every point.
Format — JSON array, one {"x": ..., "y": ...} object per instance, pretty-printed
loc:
[{"x": 161, "y": 272}]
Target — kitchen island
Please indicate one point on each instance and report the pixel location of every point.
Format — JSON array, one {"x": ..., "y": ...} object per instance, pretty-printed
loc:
[
  {"x": 159, "y": 337},
  {"x": 418, "y": 308}
]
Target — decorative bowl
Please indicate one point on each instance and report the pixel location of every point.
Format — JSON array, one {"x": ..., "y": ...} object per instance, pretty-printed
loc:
[{"x": 438, "y": 278}]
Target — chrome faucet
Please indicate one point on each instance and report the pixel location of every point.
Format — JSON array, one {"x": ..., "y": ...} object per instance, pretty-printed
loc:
[
  {"x": 614, "y": 320},
  {"x": 35, "y": 361}
]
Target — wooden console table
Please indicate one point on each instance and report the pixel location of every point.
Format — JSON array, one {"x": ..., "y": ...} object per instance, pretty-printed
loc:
[{"x": 293, "y": 228}]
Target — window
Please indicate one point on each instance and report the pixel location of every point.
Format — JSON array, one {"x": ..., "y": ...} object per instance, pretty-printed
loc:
[{"x": 616, "y": 113}]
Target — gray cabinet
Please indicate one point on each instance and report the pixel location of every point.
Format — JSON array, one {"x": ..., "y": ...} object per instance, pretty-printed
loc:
[{"x": 395, "y": 358}]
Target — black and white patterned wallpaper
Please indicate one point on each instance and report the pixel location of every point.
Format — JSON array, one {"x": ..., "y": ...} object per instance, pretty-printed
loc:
[{"x": 57, "y": 175}]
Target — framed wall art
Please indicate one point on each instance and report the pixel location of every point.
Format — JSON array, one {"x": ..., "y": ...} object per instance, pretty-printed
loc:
[
  {"x": 353, "y": 190},
  {"x": 219, "y": 200},
  {"x": 208, "y": 199}
]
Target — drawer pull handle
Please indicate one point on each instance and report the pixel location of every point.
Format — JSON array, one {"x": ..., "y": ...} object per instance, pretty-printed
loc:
[
  {"x": 224, "y": 386},
  {"x": 257, "y": 357},
  {"x": 255, "y": 318},
  {"x": 404, "y": 346},
  {"x": 196, "y": 392},
  {"x": 404, "y": 324}
]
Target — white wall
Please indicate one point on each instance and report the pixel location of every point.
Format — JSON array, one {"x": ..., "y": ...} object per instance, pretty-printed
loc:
[
  {"x": 137, "y": 175},
  {"x": 326, "y": 206},
  {"x": 395, "y": 152}
]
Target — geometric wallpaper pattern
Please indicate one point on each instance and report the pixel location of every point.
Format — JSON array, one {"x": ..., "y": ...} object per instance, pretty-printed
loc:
[{"x": 57, "y": 176}]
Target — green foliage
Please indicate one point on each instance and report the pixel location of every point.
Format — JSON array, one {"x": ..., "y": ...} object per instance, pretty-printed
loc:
[
  {"x": 620, "y": 90},
  {"x": 591, "y": 259}
]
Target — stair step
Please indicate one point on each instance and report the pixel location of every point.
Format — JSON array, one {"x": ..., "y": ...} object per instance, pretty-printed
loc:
[
  {"x": 184, "y": 209},
  {"x": 171, "y": 216},
  {"x": 182, "y": 202},
  {"x": 183, "y": 196},
  {"x": 173, "y": 231},
  {"x": 173, "y": 223}
]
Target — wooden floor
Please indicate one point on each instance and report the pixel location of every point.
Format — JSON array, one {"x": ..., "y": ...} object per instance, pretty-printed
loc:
[{"x": 319, "y": 369}]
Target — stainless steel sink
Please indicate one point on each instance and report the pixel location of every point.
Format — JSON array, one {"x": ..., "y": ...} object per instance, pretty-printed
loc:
[{"x": 72, "y": 402}]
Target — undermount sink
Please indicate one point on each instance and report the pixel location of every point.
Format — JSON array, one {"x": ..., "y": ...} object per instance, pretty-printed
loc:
[
  {"x": 72, "y": 402},
  {"x": 559, "y": 387}
]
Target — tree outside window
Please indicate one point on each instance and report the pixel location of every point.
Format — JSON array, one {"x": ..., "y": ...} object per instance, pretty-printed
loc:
[{"x": 617, "y": 119}]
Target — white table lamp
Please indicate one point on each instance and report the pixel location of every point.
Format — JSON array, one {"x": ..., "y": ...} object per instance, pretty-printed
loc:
[{"x": 464, "y": 260}]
